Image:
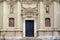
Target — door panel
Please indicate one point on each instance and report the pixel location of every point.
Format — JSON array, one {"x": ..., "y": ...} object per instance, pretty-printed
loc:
[{"x": 29, "y": 28}]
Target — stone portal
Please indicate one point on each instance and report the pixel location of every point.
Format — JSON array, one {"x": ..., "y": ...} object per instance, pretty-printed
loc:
[{"x": 29, "y": 28}]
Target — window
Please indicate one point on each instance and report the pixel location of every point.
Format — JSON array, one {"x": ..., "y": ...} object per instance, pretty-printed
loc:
[
  {"x": 11, "y": 22},
  {"x": 47, "y": 8},
  {"x": 47, "y": 22}
]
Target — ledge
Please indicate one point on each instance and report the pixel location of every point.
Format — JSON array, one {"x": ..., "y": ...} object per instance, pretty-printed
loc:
[
  {"x": 49, "y": 29},
  {"x": 13, "y": 30}
]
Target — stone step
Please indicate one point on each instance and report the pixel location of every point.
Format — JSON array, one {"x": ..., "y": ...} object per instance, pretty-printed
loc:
[{"x": 30, "y": 38}]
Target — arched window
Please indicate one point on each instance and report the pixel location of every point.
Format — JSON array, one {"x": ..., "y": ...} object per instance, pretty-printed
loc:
[
  {"x": 47, "y": 22},
  {"x": 11, "y": 22}
]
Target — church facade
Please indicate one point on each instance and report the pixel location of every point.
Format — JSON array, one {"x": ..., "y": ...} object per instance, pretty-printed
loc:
[{"x": 29, "y": 18}]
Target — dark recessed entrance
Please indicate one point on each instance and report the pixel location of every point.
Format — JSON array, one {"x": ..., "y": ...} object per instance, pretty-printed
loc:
[{"x": 29, "y": 28}]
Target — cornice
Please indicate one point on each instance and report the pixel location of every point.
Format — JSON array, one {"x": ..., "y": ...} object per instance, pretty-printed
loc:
[
  {"x": 9, "y": 0},
  {"x": 31, "y": 1}
]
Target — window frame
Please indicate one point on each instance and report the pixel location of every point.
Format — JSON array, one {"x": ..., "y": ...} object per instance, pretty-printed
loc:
[
  {"x": 47, "y": 22},
  {"x": 11, "y": 24}
]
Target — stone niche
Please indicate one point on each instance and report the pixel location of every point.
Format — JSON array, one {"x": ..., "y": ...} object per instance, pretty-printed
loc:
[{"x": 29, "y": 9}]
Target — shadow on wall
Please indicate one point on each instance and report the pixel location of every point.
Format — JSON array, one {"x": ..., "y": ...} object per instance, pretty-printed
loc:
[{"x": 38, "y": 38}]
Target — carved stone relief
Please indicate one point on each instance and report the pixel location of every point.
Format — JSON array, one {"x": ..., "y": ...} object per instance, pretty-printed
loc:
[
  {"x": 29, "y": 10},
  {"x": 29, "y": 2},
  {"x": 11, "y": 5},
  {"x": 31, "y": 5}
]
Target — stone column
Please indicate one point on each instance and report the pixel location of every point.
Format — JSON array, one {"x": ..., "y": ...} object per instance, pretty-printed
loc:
[
  {"x": 5, "y": 14},
  {"x": 42, "y": 19},
  {"x": 19, "y": 19},
  {"x": 56, "y": 17},
  {"x": 56, "y": 14}
]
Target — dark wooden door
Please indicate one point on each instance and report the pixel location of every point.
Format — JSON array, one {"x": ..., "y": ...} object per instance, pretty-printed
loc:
[{"x": 29, "y": 28}]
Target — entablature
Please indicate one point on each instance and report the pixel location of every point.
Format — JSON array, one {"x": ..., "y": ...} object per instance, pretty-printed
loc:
[{"x": 30, "y": 1}]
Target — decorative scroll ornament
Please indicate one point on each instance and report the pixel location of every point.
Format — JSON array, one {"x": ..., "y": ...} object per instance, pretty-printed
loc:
[
  {"x": 31, "y": 6},
  {"x": 28, "y": 1},
  {"x": 29, "y": 12}
]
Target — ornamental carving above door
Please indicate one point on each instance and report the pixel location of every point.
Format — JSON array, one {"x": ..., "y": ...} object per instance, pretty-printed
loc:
[{"x": 29, "y": 10}]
